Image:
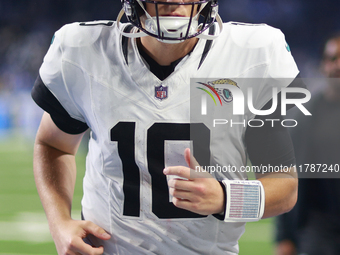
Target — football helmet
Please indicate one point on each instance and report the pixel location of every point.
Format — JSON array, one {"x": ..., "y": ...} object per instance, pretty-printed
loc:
[{"x": 171, "y": 29}]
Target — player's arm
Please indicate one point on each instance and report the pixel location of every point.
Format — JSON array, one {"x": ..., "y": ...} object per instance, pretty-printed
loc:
[
  {"x": 280, "y": 191},
  {"x": 270, "y": 149},
  {"x": 55, "y": 176},
  {"x": 272, "y": 146}
]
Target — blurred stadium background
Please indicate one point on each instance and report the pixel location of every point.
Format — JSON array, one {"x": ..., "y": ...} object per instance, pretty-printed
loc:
[{"x": 26, "y": 28}]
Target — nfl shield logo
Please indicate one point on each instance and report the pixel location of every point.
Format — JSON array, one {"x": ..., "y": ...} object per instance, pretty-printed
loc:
[{"x": 161, "y": 92}]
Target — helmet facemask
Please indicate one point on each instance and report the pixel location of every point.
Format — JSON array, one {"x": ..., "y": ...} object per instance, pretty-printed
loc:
[{"x": 171, "y": 29}]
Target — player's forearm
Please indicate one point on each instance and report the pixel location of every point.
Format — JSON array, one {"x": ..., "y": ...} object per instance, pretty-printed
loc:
[
  {"x": 55, "y": 175},
  {"x": 280, "y": 192}
]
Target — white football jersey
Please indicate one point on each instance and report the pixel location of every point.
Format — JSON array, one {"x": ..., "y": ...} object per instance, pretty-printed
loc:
[{"x": 138, "y": 123}]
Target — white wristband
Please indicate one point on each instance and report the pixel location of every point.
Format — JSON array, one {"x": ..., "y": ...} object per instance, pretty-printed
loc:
[{"x": 244, "y": 200}]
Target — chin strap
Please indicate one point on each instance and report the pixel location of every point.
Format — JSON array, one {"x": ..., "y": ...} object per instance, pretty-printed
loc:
[
  {"x": 142, "y": 34},
  {"x": 131, "y": 35},
  {"x": 212, "y": 37}
]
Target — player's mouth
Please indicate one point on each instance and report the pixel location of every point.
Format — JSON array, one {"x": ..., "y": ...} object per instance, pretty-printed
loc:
[{"x": 172, "y": 14}]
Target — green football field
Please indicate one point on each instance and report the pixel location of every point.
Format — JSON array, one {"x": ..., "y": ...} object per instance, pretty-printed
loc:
[{"x": 23, "y": 226}]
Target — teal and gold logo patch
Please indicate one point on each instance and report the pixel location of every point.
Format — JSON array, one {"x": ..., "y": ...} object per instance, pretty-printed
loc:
[{"x": 218, "y": 88}]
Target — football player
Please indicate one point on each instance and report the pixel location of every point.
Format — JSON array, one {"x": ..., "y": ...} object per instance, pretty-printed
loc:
[{"x": 130, "y": 85}]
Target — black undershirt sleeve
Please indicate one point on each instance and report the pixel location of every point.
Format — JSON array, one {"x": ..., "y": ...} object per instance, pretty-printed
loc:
[
  {"x": 271, "y": 144},
  {"x": 47, "y": 101}
]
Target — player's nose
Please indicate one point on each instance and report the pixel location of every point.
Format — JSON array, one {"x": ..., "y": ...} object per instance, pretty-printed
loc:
[{"x": 172, "y": 7}]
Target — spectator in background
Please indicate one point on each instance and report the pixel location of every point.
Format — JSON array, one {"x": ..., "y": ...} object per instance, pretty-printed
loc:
[{"x": 313, "y": 226}]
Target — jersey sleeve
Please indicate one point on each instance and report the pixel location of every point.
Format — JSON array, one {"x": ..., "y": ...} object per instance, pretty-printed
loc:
[
  {"x": 282, "y": 64},
  {"x": 51, "y": 91},
  {"x": 281, "y": 69},
  {"x": 46, "y": 100},
  {"x": 52, "y": 75}
]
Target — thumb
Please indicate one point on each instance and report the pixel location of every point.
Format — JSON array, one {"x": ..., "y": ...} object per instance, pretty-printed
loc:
[
  {"x": 196, "y": 170},
  {"x": 190, "y": 159},
  {"x": 97, "y": 231}
]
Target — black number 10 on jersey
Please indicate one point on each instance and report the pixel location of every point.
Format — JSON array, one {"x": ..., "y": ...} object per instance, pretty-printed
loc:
[{"x": 157, "y": 134}]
